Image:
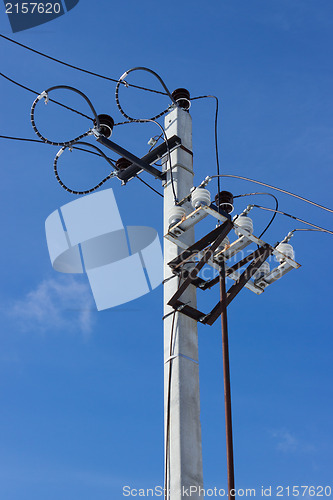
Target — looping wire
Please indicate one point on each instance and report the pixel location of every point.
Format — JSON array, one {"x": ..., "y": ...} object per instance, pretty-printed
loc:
[{"x": 45, "y": 95}]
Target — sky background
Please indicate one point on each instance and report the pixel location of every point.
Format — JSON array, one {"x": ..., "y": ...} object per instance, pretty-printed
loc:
[{"x": 82, "y": 391}]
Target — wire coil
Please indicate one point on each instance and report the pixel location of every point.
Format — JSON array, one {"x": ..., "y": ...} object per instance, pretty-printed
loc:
[
  {"x": 122, "y": 81},
  {"x": 87, "y": 191},
  {"x": 45, "y": 96}
]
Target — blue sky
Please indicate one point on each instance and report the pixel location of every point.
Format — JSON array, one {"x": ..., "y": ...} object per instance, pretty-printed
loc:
[{"x": 81, "y": 391}]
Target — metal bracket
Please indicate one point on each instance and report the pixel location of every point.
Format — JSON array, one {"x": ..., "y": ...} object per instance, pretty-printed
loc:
[
  {"x": 263, "y": 253},
  {"x": 212, "y": 241},
  {"x": 144, "y": 163}
]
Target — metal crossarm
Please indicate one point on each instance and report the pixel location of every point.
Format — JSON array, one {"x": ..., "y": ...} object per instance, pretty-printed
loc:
[
  {"x": 204, "y": 285},
  {"x": 200, "y": 245},
  {"x": 246, "y": 260},
  {"x": 214, "y": 239},
  {"x": 144, "y": 163},
  {"x": 221, "y": 232},
  {"x": 263, "y": 253}
]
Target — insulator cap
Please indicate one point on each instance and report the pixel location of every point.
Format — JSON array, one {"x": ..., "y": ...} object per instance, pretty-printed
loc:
[
  {"x": 263, "y": 270},
  {"x": 182, "y": 96},
  {"x": 224, "y": 200},
  {"x": 200, "y": 198},
  {"x": 122, "y": 163},
  {"x": 107, "y": 124},
  {"x": 245, "y": 223},
  {"x": 287, "y": 250},
  {"x": 175, "y": 215}
]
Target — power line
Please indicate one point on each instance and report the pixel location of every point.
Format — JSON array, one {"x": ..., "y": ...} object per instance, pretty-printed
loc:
[
  {"x": 42, "y": 142},
  {"x": 87, "y": 191},
  {"x": 122, "y": 80},
  {"x": 275, "y": 188},
  {"x": 78, "y": 149},
  {"x": 216, "y": 140},
  {"x": 45, "y": 95},
  {"x": 78, "y": 68},
  {"x": 21, "y": 139},
  {"x": 295, "y": 218},
  {"x": 38, "y": 93},
  {"x": 150, "y": 187},
  {"x": 151, "y": 120},
  {"x": 291, "y": 233},
  {"x": 131, "y": 120},
  {"x": 307, "y": 229},
  {"x": 276, "y": 208}
]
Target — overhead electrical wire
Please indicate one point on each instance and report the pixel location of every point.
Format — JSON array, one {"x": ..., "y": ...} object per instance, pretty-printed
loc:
[
  {"x": 149, "y": 120},
  {"x": 78, "y": 149},
  {"x": 45, "y": 96},
  {"x": 122, "y": 80},
  {"x": 21, "y": 139},
  {"x": 168, "y": 153},
  {"x": 38, "y": 93},
  {"x": 169, "y": 158},
  {"x": 87, "y": 191},
  {"x": 291, "y": 233},
  {"x": 293, "y": 217},
  {"x": 42, "y": 142},
  {"x": 115, "y": 80},
  {"x": 275, "y": 188},
  {"x": 216, "y": 140},
  {"x": 150, "y": 187},
  {"x": 118, "y": 81},
  {"x": 308, "y": 229},
  {"x": 276, "y": 207}
]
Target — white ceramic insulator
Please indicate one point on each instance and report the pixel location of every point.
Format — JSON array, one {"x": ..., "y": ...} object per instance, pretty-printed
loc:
[
  {"x": 175, "y": 215},
  {"x": 245, "y": 223},
  {"x": 200, "y": 198},
  {"x": 287, "y": 250},
  {"x": 263, "y": 270}
]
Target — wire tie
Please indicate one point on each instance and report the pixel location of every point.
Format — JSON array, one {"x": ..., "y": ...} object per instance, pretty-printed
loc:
[
  {"x": 60, "y": 152},
  {"x": 43, "y": 94},
  {"x": 95, "y": 132}
]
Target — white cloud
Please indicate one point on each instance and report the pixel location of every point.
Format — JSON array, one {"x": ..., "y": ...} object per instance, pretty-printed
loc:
[
  {"x": 285, "y": 441},
  {"x": 288, "y": 442},
  {"x": 64, "y": 302}
]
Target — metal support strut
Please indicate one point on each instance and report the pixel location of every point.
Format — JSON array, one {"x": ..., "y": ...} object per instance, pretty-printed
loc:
[{"x": 226, "y": 380}]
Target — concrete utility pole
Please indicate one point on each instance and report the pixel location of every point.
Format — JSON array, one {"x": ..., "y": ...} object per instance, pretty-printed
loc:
[{"x": 182, "y": 396}]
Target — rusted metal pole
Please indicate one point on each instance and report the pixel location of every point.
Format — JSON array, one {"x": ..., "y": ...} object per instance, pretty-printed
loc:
[{"x": 227, "y": 391}]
